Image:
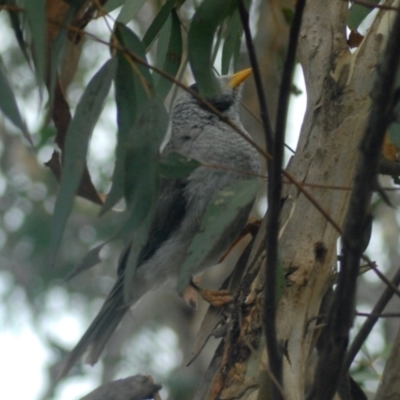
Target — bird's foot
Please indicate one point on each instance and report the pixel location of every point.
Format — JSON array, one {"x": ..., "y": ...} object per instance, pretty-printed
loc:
[{"x": 216, "y": 298}]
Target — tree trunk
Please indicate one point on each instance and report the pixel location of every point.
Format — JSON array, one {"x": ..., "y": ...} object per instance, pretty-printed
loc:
[{"x": 338, "y": 88}]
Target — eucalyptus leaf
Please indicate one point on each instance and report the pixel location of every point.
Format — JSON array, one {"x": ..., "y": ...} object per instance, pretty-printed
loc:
[
  {"x": 111, "y": 5},
  {"x": 357, "y": 14},
  {"x": 218, "y": 221},
  {"x": 91, "y": 259},
  {"x": 157, "y": 24},
  {"x": 133, "y": 89},
  {"x": 79, "y": 131},
  {"x": 17, "y": 27},
  {"x": 36, "y": 16},
  {"x": 129, "y": 10},
  {"x": 125, "y": 97},
  {"x": 169, "y": 51},
  {"x": 205, "y": 22},
  {"x": 58, "y": 50},
  {"x": 9, "y": 107},
  {"x": 141, "y": 163},
  {"x": 232, "y": 42},
  {"x": 176, "y": 166},
  {"x": 142, "y": 180},
  {"x": 129, "y": 40}
]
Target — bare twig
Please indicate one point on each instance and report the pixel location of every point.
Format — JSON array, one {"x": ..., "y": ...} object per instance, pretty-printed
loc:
[
  {"x": 370, "y": 322},
  {"x": 275, "y": 184},
  {"x": 370, "y": 5}
]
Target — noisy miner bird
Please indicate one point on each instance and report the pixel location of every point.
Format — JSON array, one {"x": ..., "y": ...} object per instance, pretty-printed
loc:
[{"x": 196, "y": 133}]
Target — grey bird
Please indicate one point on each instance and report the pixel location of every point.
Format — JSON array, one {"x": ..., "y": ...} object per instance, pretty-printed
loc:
[{"x": 196, "y": 133}]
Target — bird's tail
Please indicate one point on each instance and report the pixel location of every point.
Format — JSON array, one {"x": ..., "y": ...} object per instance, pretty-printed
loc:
[{"x": 100, "y": 330}]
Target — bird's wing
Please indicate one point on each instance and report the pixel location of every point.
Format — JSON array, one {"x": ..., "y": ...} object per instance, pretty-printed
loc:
[{"x": 169, "y": 213}]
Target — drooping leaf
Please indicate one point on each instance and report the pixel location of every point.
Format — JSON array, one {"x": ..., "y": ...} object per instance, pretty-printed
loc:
[
  {"x": 140, "y": 237},
  {"x": 129, "y": 40},
  {"x": 133, "y": 87},
  {"x": 217, "y": 43},
  {"x": 158, "y": 23},
  {"x": 58, "y": 50},
  {"x": 232, "y": 42},
  {"x": 9, "y": 107},
  {"x": 169, "y": 54},
  {"x": 205, "y": 22},
  {"x": 217, "y": 221},
  {"x": 111, "y": 5},
  {"x": 141, "y": 163},
  {"x": 16, "y": 25},
  {"x": 141, "y": 178},
  {"x": 91, "y": 259},
  {"x": 129, "y": 10},
  {"x": 125, "y": 97},
  {"x": 36, "y": 16},
  {"x": 177, "y": 166},
  {"x": 357, "y": 14},
  {"x": 76, "y": 146}
]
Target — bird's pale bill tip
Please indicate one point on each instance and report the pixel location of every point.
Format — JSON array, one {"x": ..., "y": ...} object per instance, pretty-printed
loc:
[{"x": 240, "y": 77}]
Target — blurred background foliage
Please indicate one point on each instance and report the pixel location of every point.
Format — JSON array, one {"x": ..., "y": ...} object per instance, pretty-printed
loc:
[{"x": 158, "y": 337}]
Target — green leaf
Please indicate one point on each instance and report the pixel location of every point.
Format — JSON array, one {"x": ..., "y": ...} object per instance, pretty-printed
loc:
[
  {"x": 232, "y": 42},
  {"x": 129, "y": 10},
  {"x": 111, "y": 5},
  {"x": 91, "y": 259},
  {"x": 9, "y": 107},
  {"x": 394, "y": 133},
  {"x": 205, "y": 22},
  {"x": 125, "y": 97},
  {"x": 58, "y": 50},
  {"x": 177, "y": 166},
  {"x": 141, "y": 179},
  {"x": 132, "y": 89},
  {"x": 288, "y": 14},
  {"x": 36, "y": 16},
  {"x": 81, "y": 127},
  {"x": 217, "y": 221},
  {"x": 17, "y": 27},
  {"x": 357, "y": 14},
  {"x": 158, "y": 23},
  {"x": 141, "y": 163},
  {"x": 139, "y": 238},
  {"x": 169, "y": 54},
  {"x": 133, "y": 44}
]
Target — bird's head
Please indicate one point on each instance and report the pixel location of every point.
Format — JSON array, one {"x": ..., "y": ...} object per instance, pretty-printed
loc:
[{"x": 227, "y": 102}]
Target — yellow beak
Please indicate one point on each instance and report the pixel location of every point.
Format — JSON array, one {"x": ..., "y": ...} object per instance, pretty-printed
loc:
[{"x": 239, "y": 77}]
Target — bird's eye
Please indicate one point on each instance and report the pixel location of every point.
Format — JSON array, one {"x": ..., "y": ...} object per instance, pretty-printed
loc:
[{"x": 194, "y": 87}]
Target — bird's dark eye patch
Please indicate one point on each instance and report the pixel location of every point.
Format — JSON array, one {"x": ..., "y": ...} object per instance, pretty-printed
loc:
[
  {"x": 222, "y": 102},
  {"x": 185, "y": 138},
  {"x": 194, "y": 87}
]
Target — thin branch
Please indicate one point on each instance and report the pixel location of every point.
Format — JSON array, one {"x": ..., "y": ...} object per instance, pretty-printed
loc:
[
  {"x": 387, "y": 167},
  {"x": 383, "y": 315},
  {"x": 274, "y": 348},
  {"x": 366, "y": 329},
  {"x": 385, "y": 280},
  {"x": 330, "y": 365},
  {"x": 269, "y": 136},
  {"x": 370, "y": 5}
]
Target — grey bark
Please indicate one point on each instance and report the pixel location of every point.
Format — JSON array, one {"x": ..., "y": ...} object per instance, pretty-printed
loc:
[{"x": 338, "y": 86}]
